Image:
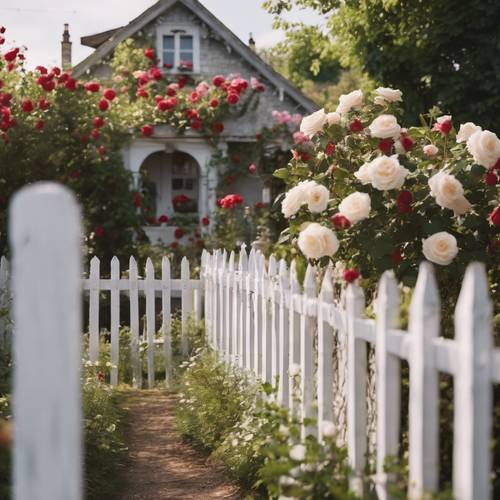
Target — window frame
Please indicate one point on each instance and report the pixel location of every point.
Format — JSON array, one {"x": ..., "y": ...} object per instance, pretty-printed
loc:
[{"x": 177, "y": 31}]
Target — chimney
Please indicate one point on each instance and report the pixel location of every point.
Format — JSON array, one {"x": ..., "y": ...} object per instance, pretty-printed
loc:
[
  {"x": 251, "y": 42},
  {"x": 66, "y": 49}
]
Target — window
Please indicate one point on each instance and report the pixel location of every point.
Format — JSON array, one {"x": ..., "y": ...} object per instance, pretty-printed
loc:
[{"x": 179, "y": 48}]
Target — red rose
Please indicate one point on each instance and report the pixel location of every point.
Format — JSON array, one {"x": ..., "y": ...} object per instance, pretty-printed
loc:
[
  {"x": 109, "y": 94},
  {"x": 304, "y": 156},
  {"x": 406, "y": 142},
  {"x": 444, "y": 126},
  {"x": 194, "y": 97},
  {"x": 330, "y": 149},
  {"x": 403, "y": 201},
  {"x": 218, "y": 127},
  {"x": 71, "y": 84},
  {"x": 95, "y": 134},
  {"x": 494, "y": 217},
  {"x": 2, "y": 40},
  {"x": 172, "y": 89},
  {"x": 218, "y": 80},
  {"x": 350, "y": 275},
  {"x": 385, "y": 145},
  {"x": 356, "y": 126},
  {"x": 147, "y": 130},
  {"x": 259, "y": 205},
  {"x": 103, "y": 104},
  {"x": 205, "y": 221},
  {"x": 340, "y": 221},
  {"x": 252, "y": 168},
  {"x": 214, "y": 103},
  {"x": 230, "y": 201},
  {"x": 98, "y": 122},
  {"x": 396, "y": 257},
  {"x": 39, "y": 125},
  {"x": 163, "y": 219},
  {"x": 149, "y": 53},
  {"x": 11, "y": 55},
  {"x": 43, "y": 104},
  {"x": 99, "y": 232},
  {"x": 92, "y": 87},
  {"x": 491, "y": 178},
  {"x": 27, "y": 106},
  {"x": 142, "y": 92},
  {"x": 232, "y": 98},
  {"x": 179, "y": 233},
  {"x": 2, "y": 29},
  {"x": 101, "y": 150},
  {"x": 295, "y": 154},
  {"x": 196, "y": 124}
]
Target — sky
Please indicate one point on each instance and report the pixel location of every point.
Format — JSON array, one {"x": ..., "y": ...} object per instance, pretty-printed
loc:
[{"x": 38, "y": 24}]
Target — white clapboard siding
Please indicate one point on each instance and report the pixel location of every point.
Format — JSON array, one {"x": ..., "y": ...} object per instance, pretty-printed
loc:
[{"x": 46, "y": 282}]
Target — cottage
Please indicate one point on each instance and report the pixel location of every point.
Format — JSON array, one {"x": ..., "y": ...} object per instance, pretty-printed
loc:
[{"x": 190, "y": 39}]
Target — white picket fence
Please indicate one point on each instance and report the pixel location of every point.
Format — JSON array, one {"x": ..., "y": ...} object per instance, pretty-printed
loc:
[{"x": 259, "y": 318}]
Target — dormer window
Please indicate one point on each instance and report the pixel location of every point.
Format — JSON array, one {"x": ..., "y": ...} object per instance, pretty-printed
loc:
[{"x": 179, "y": 49}]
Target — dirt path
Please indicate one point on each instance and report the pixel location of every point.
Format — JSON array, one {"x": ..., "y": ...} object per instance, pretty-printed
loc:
[{"x": 160, "y": 464}]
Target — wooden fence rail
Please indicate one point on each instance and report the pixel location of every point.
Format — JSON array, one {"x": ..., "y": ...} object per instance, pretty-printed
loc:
[{"x": 259, "y": 317}]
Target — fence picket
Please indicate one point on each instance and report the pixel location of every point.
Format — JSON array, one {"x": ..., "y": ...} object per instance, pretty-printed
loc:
[
  {"x": 243, "y": 270},
  {"x": 187, "y": 304},
  {"x": 94, "y": 309},
  {"x": 149, "y": 290},
  {"x": 325, "y": 354},
  {"x": 134, "y": 323},
  {"x": 307, "y": 334},
  {"x": 271, "y": 349},
  {"x": 356, "y": 389},
  {"x": 229, "y": 288},
  {"x": 115, "y": 320},
  {"x": 284, "y": 340},
  {"x": 388, "y": 380},
  {"x": 424, "y": 396},
  {"x": 166, "y": 324},
  {"x": 472, "y": 388},
  {"x": 249, "y": 316},
  {"x": 294, "y": 358},
  {"x": 258, "y": 321},
  {"x": 220, "y": 296}
]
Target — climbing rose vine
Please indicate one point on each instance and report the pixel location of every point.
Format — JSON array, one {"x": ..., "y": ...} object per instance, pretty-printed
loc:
[{"x": 370, "y": 194}]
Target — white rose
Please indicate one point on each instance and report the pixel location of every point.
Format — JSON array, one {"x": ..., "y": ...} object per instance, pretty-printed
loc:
[
  {"x": 449, "y": 193},
  {"x": 328, "y": 429},
  {"x": 349, "y": 101},
  {"x": 333, "y": 118},
  {"x": 466, "y": 130},
  {"x": 312, "y": 124},
  {"x": 295, "y": 198},
  {"x": 317, "y": 197},
  {"x": 298, "y": 452},
  {"x": 388, "y": 94},
  {"x": 385, "y": 127},
  {"x": 386, "y": 173},
  {"x": 484, "y": 146},
  {"x": 440, "y": 248},
  {"x": 363, "y": 174},
  {"x": 430, "y": 150},
  {"x": 317, "y": 241},
  {"x": 355, "y": 207}
]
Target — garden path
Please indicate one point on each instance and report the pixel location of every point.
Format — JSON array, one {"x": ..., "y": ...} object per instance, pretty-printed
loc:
[{"x": 161, "y": 465}]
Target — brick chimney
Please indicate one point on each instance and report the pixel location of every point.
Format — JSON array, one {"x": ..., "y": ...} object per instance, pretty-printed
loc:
[
  {"x": 66, "y": 49},
  {"x": 251, "y": 42}
]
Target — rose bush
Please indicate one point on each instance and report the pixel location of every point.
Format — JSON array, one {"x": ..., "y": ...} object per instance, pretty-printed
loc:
[{"x": 396, "y": 196}]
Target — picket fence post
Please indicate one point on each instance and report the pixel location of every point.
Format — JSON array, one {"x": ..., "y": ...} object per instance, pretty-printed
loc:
[
  {"x": 4, "y": 300},
  {"x": 94, "y": 279},
  {"x": 249, "y": 317},
  {"x": 388, "y": 380},
  {"x": 242, "y": 279},
  {"x": 294, "y": 352},
  {"x": 356, "y": 389},
  {"x": 134, "y": 323},
  {"x": 149, "y": 291},
  {"x": 45, "y": 237},
  {"x": 472, "y": 388},
  {"x": 272, "y": 341},
  {"x": 258, "y": 323},
  {"x": 166, "y": 325},
  {"x": 228, "y": 304},
  {"x": 115, "y": 320},
  {"x": 187, "y": 304},
  {"x": 325, "y": 354},
  {"x": 284, "y": 340},
  {"x": 424, "y": 323}
]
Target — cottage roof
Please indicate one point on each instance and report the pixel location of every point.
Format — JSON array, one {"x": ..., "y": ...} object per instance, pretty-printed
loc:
[{"x": 107, "y": 41}]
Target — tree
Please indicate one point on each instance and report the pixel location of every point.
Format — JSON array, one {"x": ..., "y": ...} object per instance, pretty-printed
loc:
[{"x": 443, "y": 53}]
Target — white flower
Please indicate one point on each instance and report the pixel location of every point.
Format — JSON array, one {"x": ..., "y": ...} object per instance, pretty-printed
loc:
[
  {"x": 388, "y": 94},
  {"x": 317, "y": 197},
  {"x": 399, "y": 148},
  {"x": 466, "y": 130},
  {"x": 283, "y": 429},
  {"x": 313, "y": 123},
  {"x": 385, "y": 127},
  {"x": 440, "y": 248},
  {"x": 317, "y": 241},
  {"x": 385, "y": 172},
  {"x": 333, "y": 118},
  {"x": 363, "y": 174},
  {"x": 349, "y": 101},
  {"x": 484, "y": 146},
  {"x": 328, "y": 429},
  {"x": 355, "y": 207},
  {"x": 294, "y": 199},
  {"x": 449, "y": 193},
  {"x": 430, "y": 150},
  {"x": 298, "y": 452},
  {"x": 294, "y": 370}
]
